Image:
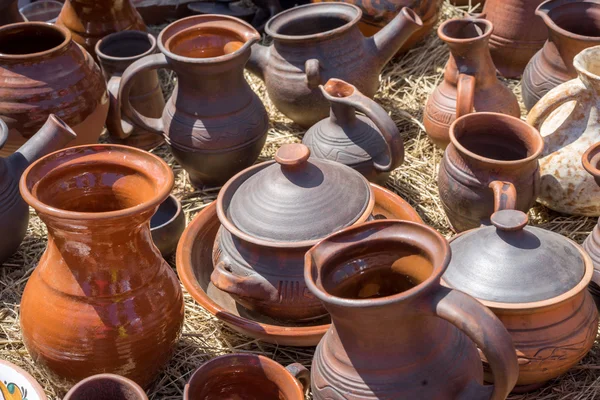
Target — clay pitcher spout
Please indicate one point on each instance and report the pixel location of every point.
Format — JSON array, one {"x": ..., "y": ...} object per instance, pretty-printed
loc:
[{"x": 390, "y": 39}]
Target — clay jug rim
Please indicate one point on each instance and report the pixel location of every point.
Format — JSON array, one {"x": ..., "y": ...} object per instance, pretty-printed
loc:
[
  {"x": 439, "y": 258},
  {"x": 249, "y": 361},
  {"x": 544, "y": 12},
  {"x": 114, "y": 37},
  {"x": 589, "y": 164},
  {"x": 288, "y": 15},
  {"x": 251, "y": 36},
  {"x": 163, "y": 188},
  {"x": 534, "y": 137},
  {"x": 23, "y": 25},
  {"x": 39, "y": 391},
  {"x": 121, "y": 380},
  {"x": 450, "y": 39},
  {"x": 581, "y": 64}
]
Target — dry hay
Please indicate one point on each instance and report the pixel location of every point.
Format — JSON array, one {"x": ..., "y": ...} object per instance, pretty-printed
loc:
[{"x": 405, "y": 85}]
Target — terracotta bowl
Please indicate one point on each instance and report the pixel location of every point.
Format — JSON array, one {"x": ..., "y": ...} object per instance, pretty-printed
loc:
[
  {"x": 167, "y": 225},
  {"x": 16, "y": 384},
  {"x": 106, "y": 387},
  {"x": 194, "y": 266}
]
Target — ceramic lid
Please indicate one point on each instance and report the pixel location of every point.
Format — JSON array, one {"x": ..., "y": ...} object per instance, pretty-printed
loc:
[
  {"x": 511, "y": 262},
  {"x": 296, "y": 199}
]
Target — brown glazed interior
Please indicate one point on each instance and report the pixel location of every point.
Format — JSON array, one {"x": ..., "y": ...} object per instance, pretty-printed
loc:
[
  {"x": 24, "y": 39},
  {"x": 106, "y": 386},
  {"x": 204, "y": 42},
  {"x": 578, "y": 18},
  {"x": 465, "y": 29}
]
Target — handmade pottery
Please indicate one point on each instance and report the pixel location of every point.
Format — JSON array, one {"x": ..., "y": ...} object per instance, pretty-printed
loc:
[
  {"x": 591, "y": 162},
  {"x": 535, "y": 282},
  {"x": 370, "y": 144},
  {"x": 485, "y": 150},
  {"x": 316, "y": 42},
  {"x": 572, "y": 27},
  {"x": 17, "y": 384},
  {"x": 9, "y": 12},
  {"x": 14, "y": 212},
  {"x": 167, "y": 225},
  {"x": 43, "y": 72},
  {"x": 42, "y": 10},
  {"x": 101, "y": 299},
  {"x": 248, "y": 377},
  {"x": 195, "y": 266},
  {"x": 470, "y": 81},
  {"x": 377, "y": 14},
  {"x": 106, "y": 387},
  {"x": 518, "y": 34},
  {"x": 222, "y": 7},
  {"x": 91, "y": 20},
  {"x": 115, "y": 53},
  {"x": 212, "y": 140},
  {"x": 471, "y": 3},
  {"x": 380, "y": 282},
  {"x": 567, "y": 118}
]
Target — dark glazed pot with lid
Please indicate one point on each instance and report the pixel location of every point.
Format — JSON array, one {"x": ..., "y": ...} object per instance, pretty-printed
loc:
[{"x": 271, "y": 214}]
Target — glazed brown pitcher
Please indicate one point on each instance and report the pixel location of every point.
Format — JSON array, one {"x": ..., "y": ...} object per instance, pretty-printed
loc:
[
  {"x": 396, "y": 332},
  {"x": 470, "y": 82}
]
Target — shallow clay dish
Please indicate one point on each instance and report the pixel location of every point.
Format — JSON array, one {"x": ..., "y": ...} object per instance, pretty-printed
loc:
[
  {"x": 167, "y": 225},
  {"x": 17, "y": 384},
  {"x": 194, "y": 266}
]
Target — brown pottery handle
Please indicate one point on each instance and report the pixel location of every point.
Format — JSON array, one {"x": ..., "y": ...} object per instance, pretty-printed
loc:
[
  {"x": 313, "y": 75},
  {"x": 465, "y": 96},
  {"x": 151, "y": 62},
  {"x": 115, "y": 124},
  {"x": 488, "y": 333},
  {"x": 302, "y": 374},
  {"x": 252, "y": 286},
  {"x": 568, "y": 91},
  {"x": 505, "y": 195}
]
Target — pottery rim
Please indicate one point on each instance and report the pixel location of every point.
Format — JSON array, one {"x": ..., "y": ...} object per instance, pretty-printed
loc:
[
  {"x": 185, "y": 24},
  {"x": 589, "y": 162},
  {"x": 34, "y": 384},
  {"x": 176, "y": 214},
  {"x": 131, "y": 385},
  {"x": 582, "y": 64},
  {"x": 41, "y": 25},
  {"x": 489, "y": 28},
  {"x": 159, "y": 196},
  {"x": 127, "y": 34},
  {"x": 439, "y": 264},
  {"x": 4, "y": 131},
  {"x": 507, "y": 120},
  {"x": 555, "y": 27}
]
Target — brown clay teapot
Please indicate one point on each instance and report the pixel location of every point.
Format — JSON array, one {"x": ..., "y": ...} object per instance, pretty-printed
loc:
[
  {"x": 370, "y": 144},
  {"x": 397, "y": 333},
  {"x": 315, "y": 42},
  {"x": 271, "y": 213},
  {"x": 14, "y": 212}
]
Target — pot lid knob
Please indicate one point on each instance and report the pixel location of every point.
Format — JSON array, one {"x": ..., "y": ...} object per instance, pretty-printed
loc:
[
  {"x": 292, "y": 155},
  {"x": 509, "y": 220}
]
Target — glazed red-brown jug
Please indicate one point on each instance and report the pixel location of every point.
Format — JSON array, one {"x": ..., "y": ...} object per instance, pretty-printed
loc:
[
  {"x": 101, "y": 299},
  {"x": 396, "y": 332},
  {"x": 470, "y": 82}
]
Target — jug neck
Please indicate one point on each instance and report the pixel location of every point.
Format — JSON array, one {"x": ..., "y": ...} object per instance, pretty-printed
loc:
[
  {"x": 342, "y": 114},
  {"x": 473, "y": 59}
]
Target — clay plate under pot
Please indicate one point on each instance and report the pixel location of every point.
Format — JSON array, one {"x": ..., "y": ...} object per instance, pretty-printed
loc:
[{"x": 194, "y": 267}]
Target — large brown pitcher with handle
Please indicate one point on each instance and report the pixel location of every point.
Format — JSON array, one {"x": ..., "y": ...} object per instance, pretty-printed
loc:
[
  {"x": 470, "y": 82},
  {"x": 380, "y": 282}
]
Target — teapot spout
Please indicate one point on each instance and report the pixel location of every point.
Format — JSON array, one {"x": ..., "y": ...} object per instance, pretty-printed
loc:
[
  {"x": 52, "y": 136},
  {"x": 258, "y": 60},
  {"x": 390, "y": 39}
]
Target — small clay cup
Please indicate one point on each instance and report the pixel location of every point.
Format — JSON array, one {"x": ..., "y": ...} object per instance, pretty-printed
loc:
[
  {"x": 252, "y": 376},
  {"x": 167, "y": 225},
  {"x": 106, "y": 387}
]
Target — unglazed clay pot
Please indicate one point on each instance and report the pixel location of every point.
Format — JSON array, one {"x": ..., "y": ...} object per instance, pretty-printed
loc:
[
  {"x": 591, "y": 163},
  {"x": 487, "y": 150},
  {"x": 17, "y": 384},
  {"x": 370, "y": 144},
  {"x": 43, "y": 72},
  {"x": 573, "y": 25},
  {"x": 271, "y": 213},
  {"x": 470, "y": 82},
  {"x": 518, "y": 34},
  {"x": 247, "y": 377},
  {"x": 316, "y": 42},
  {"x": 102, "y": 299},
  {"x": 106, "y": 387},
  {"x": 567, "y": 118},
  {"x": 396, "y": 332},
  {"x": 14, "y": 212},
  {"x": 376, "y": 14},
  {"x": 91, "y": 20},
  {"x": 214, "y": 123},
  {"x": 115, "y": 53},
  {"x": 9, "y": 12},
  {"x": 535, "y": 282}
]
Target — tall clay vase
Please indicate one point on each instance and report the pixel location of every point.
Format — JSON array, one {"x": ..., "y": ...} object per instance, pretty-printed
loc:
[
  {"x": 591, "y": 163},
  {"x": 572, "y": 27},
  {"x": 115, "y": 53},
  {"x": 106, "y": 387},
  {"x": 91, "y": 20},
  {"x": 14, "y": 212},
  {"x": 567, "y": 118},
  {"x": 214, "y": 123},
  {"x": 396, "y": 332},
  {"x": 9, "y": 12},
  {"x": 470, "y": 82},
  {"x": 370, "y": 144},
  {"x": 518, "y": 34},
  {"x": 102, "y": 299},
  {"x": 43, "y": 72}
]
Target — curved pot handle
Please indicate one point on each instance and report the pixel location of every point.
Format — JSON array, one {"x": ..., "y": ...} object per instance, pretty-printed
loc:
[
  {"x": 563, "y": 93},
  {"x": 505, "y": 195},
  {"x": 154, "y": 125},
  {"x": 116, "y": 126},
  {"x": 313, "y": 75},
  {"x": 488, "y": 333},
  {"x": 465, "y": 96},
  {"x": 252, "y": 286},
  {"x": 302, "y": 374}
]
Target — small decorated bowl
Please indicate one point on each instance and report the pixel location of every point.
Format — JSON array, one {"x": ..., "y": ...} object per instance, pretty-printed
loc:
[{"x": 17, "y": 384}]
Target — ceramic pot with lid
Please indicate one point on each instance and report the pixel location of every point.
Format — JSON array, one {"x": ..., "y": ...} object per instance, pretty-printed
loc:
[
  {"x": 271, "y": 214},
  {"x": 535, "y": 282}
]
